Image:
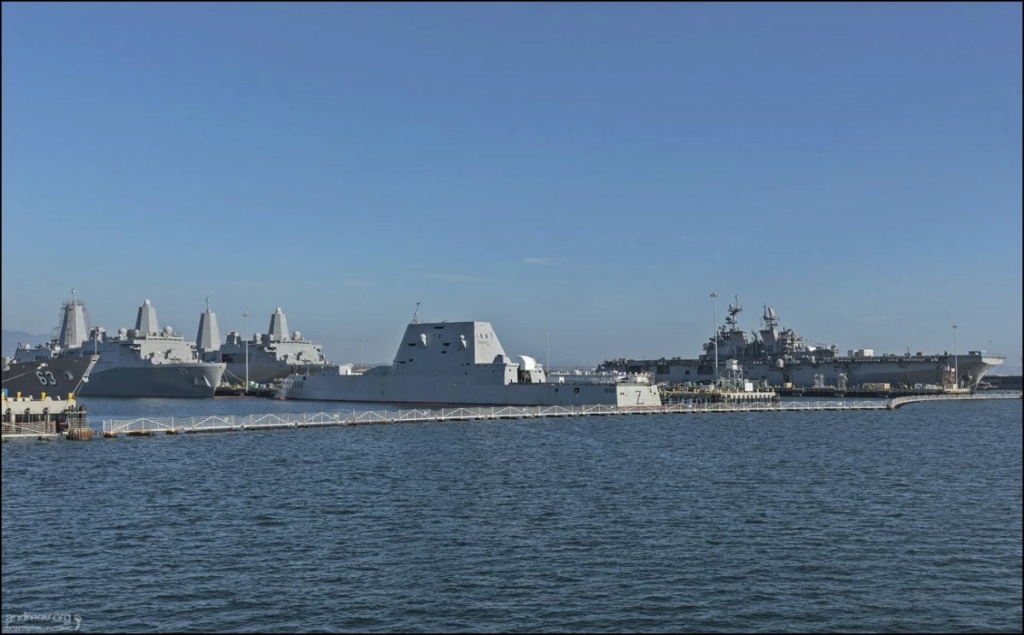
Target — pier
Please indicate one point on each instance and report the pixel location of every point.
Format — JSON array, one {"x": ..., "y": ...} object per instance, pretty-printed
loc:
[
  {"x": 43, "y": 418},
  {"x": 147, "y": 426}
]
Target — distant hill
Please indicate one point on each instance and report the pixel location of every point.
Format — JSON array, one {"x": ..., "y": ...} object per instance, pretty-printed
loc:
[{"x": 11, "y": 339}]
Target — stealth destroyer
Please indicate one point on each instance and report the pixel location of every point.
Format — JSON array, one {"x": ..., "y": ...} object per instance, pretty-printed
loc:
[{"x": 460, "y": 363}]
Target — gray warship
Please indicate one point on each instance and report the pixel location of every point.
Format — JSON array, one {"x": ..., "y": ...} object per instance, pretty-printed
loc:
[
  {"x": 460, "y": 363},
  {"x": 142, "y": 362},
  {"x": 58, "y": 377},
  {"x": 265, "y": 357},
  {"x": 782, "y": 358}
]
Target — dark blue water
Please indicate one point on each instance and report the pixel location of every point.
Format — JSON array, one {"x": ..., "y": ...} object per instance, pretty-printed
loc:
[{"x": 906, "y": 520}]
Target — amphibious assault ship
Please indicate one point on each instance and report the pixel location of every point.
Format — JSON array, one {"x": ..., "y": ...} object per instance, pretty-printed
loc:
[
  {"x": 142, "y": 362},
  {"x": 460, "y": 363},
  {"x": 265, "y": 357},
  {"x": 783, "y": 358}
]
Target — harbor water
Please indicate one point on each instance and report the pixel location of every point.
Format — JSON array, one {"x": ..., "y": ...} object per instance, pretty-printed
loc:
[{"x": 861, "y": 521}]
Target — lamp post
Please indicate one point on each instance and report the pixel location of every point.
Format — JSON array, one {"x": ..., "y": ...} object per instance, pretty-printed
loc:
[
  {"x": 246, "y": 316},
  {"x": 956, "y": 361},
  {"x": 714, "y": 298}
]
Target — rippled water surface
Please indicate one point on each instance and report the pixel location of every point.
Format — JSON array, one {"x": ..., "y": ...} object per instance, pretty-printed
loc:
[{"x": 906, "y": 520}]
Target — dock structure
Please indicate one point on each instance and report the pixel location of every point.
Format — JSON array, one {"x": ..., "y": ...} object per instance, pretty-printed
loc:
[
  {"x": 148, "y": 426},
  {"x": 45, "y": 417}
]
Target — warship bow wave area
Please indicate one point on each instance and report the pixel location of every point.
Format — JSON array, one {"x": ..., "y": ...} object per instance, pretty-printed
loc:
[
  {"x": 780, "y": 357},
  {"x": 58, "y": 376},
  {"x": 142, "y": 362},
  {"x": 265, "y": 357},
  {"x": 460, "y": 363}
]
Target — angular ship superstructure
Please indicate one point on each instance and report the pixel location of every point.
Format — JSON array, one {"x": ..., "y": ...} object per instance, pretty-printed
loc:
[
  {"x": 142, "y": 362},
  {"x": 265, "y": 357},
  {"x": 781, "y": 357},
  {"x": 460, "y": 363}
]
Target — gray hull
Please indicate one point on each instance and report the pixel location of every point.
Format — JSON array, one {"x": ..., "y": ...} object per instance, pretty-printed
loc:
[
  {"x": 266, "y": 370},
  {"x": 56, "y": 378},
  {"x": 465, "y": 391},
  {"x": 171, "y": 380},
  {"x": 908, "y": 371}
]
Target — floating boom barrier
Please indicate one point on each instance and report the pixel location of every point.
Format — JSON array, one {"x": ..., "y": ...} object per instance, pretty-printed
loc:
[{"x": 148, "y": 426}]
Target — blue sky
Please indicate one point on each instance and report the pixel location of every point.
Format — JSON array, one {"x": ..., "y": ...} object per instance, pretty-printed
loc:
[{"x": 580, "y": 175}]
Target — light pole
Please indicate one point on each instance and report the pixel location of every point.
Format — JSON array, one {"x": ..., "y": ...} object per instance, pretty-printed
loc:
[
  {"x": 714, "y": 299},
  {"x": 956, "y": 361},
  {"x": 246, "y": 316}
]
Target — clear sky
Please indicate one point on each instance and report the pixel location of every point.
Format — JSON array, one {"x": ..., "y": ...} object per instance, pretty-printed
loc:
[{"x": 581, "y": 175}]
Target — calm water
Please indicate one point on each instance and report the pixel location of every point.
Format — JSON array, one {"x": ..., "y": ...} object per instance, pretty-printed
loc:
[{"x": 862, "y": 521}]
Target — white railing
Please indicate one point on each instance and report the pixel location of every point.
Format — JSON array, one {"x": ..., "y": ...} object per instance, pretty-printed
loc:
[
  {"x": 30, "y": 429},
  {"x": 896, "y": 402},
  {"x": 150, "y": 425},
  {"x": 226, "y": 423}
]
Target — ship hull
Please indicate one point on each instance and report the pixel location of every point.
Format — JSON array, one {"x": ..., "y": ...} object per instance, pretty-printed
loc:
[
  {"x": 58, "y": 377},
  {"x": 269, "y": 363},
  {"x": 171, "y": 380},
  {"x": 265, "y": 370},
  {"x": 463, "y": 390},
  {"x": 935, "y": 370},
  {"x": 264, "y": 374}
]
